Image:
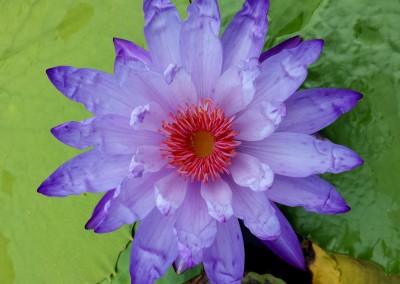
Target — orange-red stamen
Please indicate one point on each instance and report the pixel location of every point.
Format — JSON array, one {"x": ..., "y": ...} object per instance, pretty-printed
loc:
[{"x": 200, "y": 141}]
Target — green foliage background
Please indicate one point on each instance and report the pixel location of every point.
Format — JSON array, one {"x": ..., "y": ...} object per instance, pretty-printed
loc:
[{"x": 42, "y": 240}]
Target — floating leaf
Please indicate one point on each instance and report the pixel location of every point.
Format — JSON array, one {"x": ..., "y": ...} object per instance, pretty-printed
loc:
[
  {"x": 43, "y": 240},
  {"x": 254, "y": 278},
  {"x": 362, "y": 52},
  {"x": 338, "y": 268}
]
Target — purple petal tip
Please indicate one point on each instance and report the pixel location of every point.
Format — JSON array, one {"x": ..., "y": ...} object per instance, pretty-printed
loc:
[
  {"x": 297, "y": 38},
  {"x": 89, "y": 225},
  {"x": 54, "y": 77},
  {"x": 55, "y": 131},
  {"x": 58, "y": 77},
  {"x": 42, "y": 190},
  {"x": 358, "y": 96},
  {"x": 335, "y": 204},
  {"x": 352, "y": 99},
  {"x": 318, "y": 42},
  {"x": 319, "y": 45},
  {"x": 349, "y": 100},
  {"x": 45, "y": 189},
  {"x": 345, "y": 159},
  {"x": 117, "y": 44}
]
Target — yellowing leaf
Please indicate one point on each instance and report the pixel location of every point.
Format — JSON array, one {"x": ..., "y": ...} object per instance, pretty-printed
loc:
[{"x": 341, "y": 269}]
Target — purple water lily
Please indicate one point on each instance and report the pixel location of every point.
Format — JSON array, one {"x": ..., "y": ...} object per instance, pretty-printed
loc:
[{"x": 198, "y": 132}]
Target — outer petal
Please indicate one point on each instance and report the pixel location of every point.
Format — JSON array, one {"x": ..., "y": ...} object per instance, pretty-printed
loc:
[
  {"x": 282, "y": 74},
  {"x": 248, "y": 171},
  {"x": 287, "y": 246},
  {"x": 301, "y": 155},
  {"x": 154, "y": 248},
  {"x": 111, "y": 134},
  {"x": 259, "y": 121},
  {"x": 162, "y": 31},
  {"x": 311, "y": 110},
  {"x": 91, "y": 171},
  {"x": 170, "y": 192},
  {"x": 256, "y": 211},
  {"x": 133, "y": 200},
  {"x": 98, "y": 91},
  {"x": 313, "y": 193},
  {"x": 194, "y": 228},
  {"x": 224, "y": 260},
  {"x": 287, "y": 44},
  {"x": 100, "y": 211},
  {"x": 245, "y": 35},
  {"x": 218, "y": 197},
  {"x": 125, "y": 48},
  {"x": 235, "y": 89},
  {"x": 200, "y": 47}
]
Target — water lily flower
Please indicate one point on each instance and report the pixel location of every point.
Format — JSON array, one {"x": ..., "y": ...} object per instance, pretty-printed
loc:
[{"x": 197, "y": 132}]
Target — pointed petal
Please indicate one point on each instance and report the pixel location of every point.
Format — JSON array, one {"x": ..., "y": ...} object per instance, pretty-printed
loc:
[
  {"x": 100, "y": 211},
  {"x": 224, "y": 260},
  {"x": 91, "y": 171},
  {"x": 162, "y": 31},
  {"x": 248, "y": 171},
  {"x": 259, "y": 121},
  {"x": 133, "y": 200},
  {"x": 200, "y": 47},
  {"x": 287, "y": 246},
  {"x": 170, "y": 192},
  {"x": 287, "y": 44},
  {"x": 125, "y": 48},
  {"x": 195, "y": 229},
  {"x": 301, "y": 155},
  {"x": 154, "y": 248},
  {"x": 235, "y": 89},
  {"x": 313, "y": 193},
  {"x": 111, "y": 134},
  {"x": 245, "y": 35},
  {"x": 309, "y": 111},
  {"x": 282, "y": 74},
  {"x": 218, "y": 197},
  {"x": 97, "y": 91},
  {"x": 129, "y": 56},
  {"x": 256, "y": 212}
]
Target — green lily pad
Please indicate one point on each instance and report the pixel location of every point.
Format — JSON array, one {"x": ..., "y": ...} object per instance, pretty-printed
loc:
[
  {"x": 42, "y": 239},
  {"x": 362, "y": 52},
  {"x": 254, "y": 278}
]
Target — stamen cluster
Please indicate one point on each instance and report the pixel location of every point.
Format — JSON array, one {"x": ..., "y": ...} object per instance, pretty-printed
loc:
[{"x": 200, "y": 141}]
